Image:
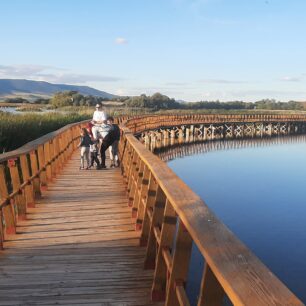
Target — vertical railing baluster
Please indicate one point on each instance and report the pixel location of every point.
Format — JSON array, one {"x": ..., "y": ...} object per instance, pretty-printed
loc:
[
  {"x": 48, "y": 161},
  {"x": 137, "y": 182},
  {"x": 180, "y": 264},
  {"x": 8, "y": 209},
  {"x": 19, "y": 199},
  {"x": 211, "y": 293},
  {"x": 34, "y": 169},
  {"x": 42, "y": 164},
  {"x": 157, "y": 217},
  {"x": 29, "y": 192},
  {"x": 148, "y": 209},
  {"x": 162, "y": 272},
  {"x": 142, "y": 197}
]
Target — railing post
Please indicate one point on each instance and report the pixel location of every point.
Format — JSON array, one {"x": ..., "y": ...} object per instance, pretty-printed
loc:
[
  {"x": 48, "y": 161},
  {"x": 164, "y": 260},
  {"x": 34, "y": 169},
  {"x": 19, "y": 199},
  {"x": 1, "y": 230},
  {"x": 211, "y": 293},
  {"x": 52, "y": 159},
  {"x": 130, "y": 177},
  {"x": 148, "y": 209},
  {"x": 137, "y": 187},
  {"x": 156, "y": 220},
  {"x": 142, "y": 197},
  {"x": 42, "y": 164},
  {"x": 7, "y": 210},
  {"x": 29, "y": 192},
  {"x": 180, "y": 264}
]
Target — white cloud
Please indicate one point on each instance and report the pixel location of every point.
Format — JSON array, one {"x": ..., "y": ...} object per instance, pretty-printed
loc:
[
  {"x": 221, "y": 81},
  {"x": 121, "y": 41},
  {"x": 51, "y": 74},
  {"x": 291, "y": 79}
]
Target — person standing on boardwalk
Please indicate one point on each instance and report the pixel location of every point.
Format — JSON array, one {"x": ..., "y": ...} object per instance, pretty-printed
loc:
[
  {"x": 104, "y": 134},
  {"x": 99, "y": 117},
  {"x": 114, "y": 140},
  {"x": 84, "y": 144}
]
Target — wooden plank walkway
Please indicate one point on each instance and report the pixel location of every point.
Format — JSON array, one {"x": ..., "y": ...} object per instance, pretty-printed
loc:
[{"x": 77, "y": 247}]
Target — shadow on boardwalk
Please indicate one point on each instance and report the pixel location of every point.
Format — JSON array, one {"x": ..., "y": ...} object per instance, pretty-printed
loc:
[{"x": 77, "y": 247}]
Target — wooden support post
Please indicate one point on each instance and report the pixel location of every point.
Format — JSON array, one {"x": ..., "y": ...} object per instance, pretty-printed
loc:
[
  {"x": 148, "y": 209},
  {"x": 205, "y": 133},
  {"x": 126, "y": 160},
  {"x": 8, "y": 210},
  {"x": 172, "y": 134},
  {"x": 1, "y": 230},
  {"x": 34, "y": 169},
  {"x": 162, "y": 271},
  {"x": 144, "y": 185},
  {"x": 157, "y": 217},
  {"x": 130, "y": 177},
  {"x": 19, "y": 199},
  {"x": 57, "y": 155},
  {"x": 138, "y": 174},
  {"x": 61, "y": 140},
  {"x": 48, "y": 161},
  {"x": 41, "y": 163},
  {"x": 52, "y": 148},
  {"x": 180, "y": 264},
  {"x": 187, "y": 134},
  {"x": 211, "y": 293},
  {"x": 29, "y": 192}
]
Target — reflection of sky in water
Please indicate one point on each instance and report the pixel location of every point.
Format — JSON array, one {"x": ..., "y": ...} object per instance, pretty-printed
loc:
[{"x": 259, "y": 193}]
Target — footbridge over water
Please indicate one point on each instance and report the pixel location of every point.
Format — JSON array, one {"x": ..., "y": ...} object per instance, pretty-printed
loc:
[{"x": 124, "y": 236}]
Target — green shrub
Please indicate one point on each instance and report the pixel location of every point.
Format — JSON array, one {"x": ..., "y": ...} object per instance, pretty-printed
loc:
[{"x": 17, "y": 130}]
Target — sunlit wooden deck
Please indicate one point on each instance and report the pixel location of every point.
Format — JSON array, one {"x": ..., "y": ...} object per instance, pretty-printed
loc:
[{"x": 78, "y": 246}]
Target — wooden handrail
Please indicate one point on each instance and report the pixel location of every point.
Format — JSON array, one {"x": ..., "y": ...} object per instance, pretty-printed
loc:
[{"x": 232, "y": 268}]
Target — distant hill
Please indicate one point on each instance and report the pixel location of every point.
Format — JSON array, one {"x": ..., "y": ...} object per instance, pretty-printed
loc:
[{"x": 37, "y": 89}]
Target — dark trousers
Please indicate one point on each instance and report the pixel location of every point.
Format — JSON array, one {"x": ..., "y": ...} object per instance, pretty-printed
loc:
[
  {"x": 94, "y": 158},
  {"x": 104, "y": 147}
]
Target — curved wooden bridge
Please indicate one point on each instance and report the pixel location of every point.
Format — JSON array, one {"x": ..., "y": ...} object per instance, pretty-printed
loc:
[{"x": 71, "y": 237}]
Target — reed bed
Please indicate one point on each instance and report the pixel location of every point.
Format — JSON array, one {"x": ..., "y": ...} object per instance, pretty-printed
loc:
[{"x": 17, "y": 130}]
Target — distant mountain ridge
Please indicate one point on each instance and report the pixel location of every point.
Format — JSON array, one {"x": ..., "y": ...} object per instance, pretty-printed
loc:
[{"x": 35, "y": 89}]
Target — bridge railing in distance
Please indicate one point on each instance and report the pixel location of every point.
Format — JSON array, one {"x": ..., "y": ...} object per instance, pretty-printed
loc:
[
  {"x": 25, "y": 173},
  {"x": 172, "y": 217},
  {"x": 149, "y": 122}
]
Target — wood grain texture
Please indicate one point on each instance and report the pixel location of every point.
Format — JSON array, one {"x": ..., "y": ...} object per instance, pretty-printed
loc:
[{"x": 77, "y": 246}]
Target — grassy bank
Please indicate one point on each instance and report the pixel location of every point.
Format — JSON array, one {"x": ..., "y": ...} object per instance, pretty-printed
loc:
[{"x": 16, "y": 130}]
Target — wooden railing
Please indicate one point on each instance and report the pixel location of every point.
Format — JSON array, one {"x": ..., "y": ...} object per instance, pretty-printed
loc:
[
  {"x": 144, "y": 123},
  {"x": 172, "y": 217},
  {"x": 25, "y": 172}
]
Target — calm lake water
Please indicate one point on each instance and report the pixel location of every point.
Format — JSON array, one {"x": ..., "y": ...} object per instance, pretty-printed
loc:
[{"x": 259, "y": 193}]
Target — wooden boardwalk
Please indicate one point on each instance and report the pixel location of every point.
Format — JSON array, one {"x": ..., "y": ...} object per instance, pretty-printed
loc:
[{"x": 78, "y": 246}]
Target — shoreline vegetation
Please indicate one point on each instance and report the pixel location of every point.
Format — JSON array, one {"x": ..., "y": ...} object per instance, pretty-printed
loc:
[{"x": 32, "y": 120}]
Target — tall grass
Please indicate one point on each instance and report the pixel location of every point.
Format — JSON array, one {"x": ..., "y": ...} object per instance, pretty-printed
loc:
[{"x": 16, "y": 130}]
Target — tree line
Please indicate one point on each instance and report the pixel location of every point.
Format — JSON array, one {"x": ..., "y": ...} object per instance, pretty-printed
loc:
[{"x": 159, "y": 101}]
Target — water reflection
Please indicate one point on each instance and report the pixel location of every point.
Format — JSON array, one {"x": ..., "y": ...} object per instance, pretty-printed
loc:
[
  {"x": 257, "y": 188},
  {"x": 169, "y": 149}
]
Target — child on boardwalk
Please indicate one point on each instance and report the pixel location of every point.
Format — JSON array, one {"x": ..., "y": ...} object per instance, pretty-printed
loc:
[
  {"x": 94, "y": 155},
  {"x": 84, "y": 144}
]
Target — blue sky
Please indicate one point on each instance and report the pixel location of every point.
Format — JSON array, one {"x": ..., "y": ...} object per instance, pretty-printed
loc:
[{"x": 186, "y": 49}]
